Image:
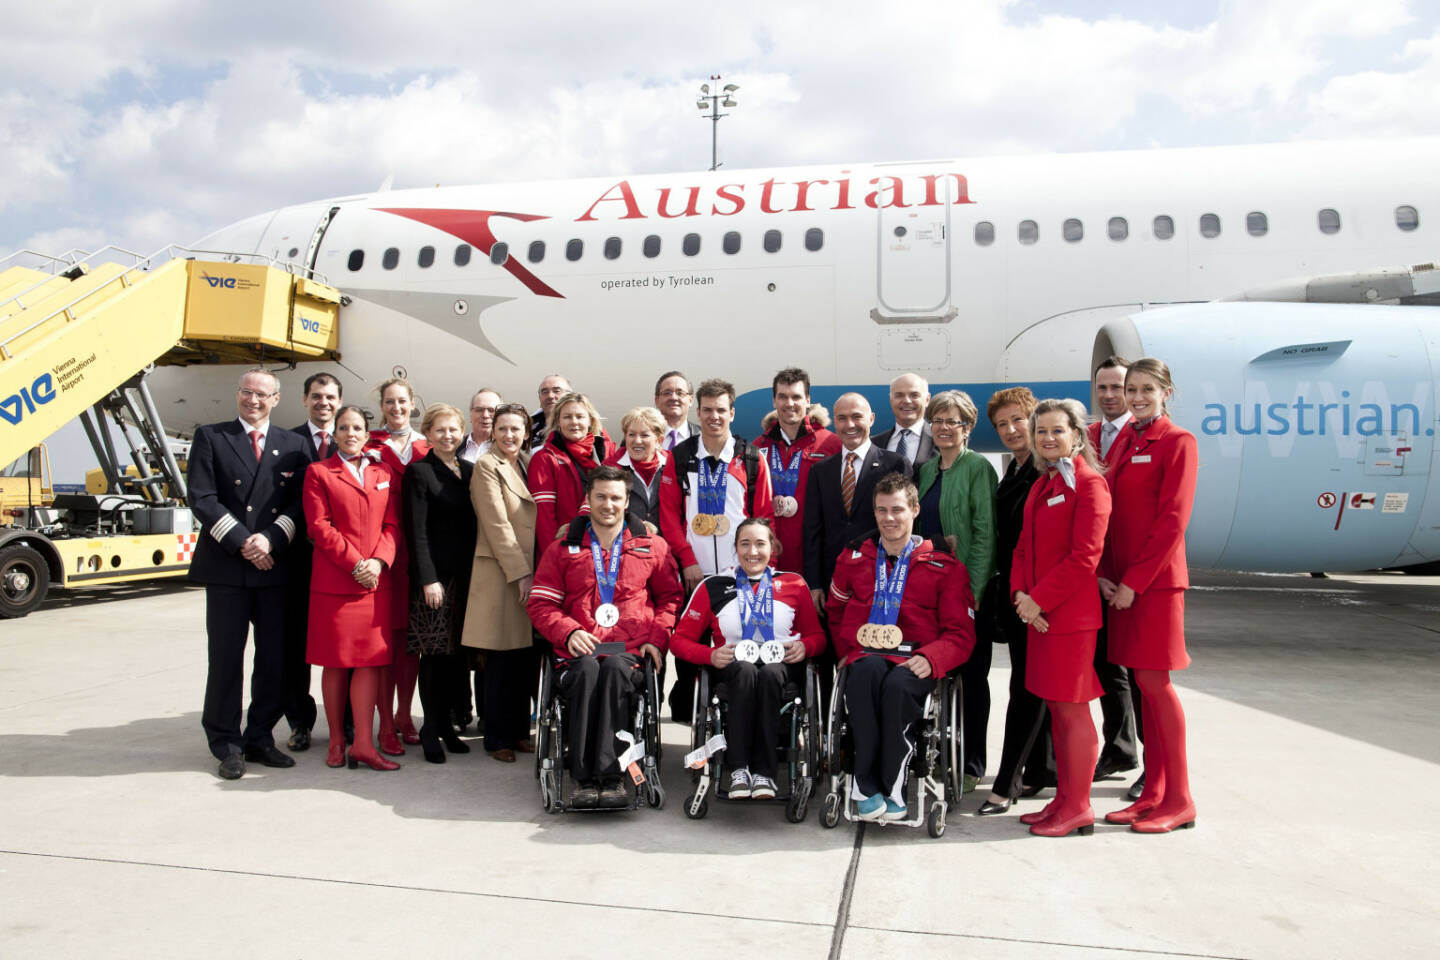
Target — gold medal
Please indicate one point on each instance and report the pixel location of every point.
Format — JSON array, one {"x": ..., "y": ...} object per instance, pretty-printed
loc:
[
  {"x": 866, "y": 635},
  {"x": 891, "y": 637},
  {"x": 703, "y": 524},
  {"x": 722, "y": 524}
]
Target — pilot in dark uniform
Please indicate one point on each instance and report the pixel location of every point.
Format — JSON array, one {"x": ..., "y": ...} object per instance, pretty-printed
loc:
[{"x": 245, "y": 477}]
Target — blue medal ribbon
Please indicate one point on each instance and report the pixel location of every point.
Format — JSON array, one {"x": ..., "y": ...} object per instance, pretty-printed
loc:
[
  {"x": 712, "y": 486},
  {"x": 885, "y": 607},
  {"x": 605, "y": 579},
  {"x": 784, "y": 480},
  {"x": 757, "y": 609}
]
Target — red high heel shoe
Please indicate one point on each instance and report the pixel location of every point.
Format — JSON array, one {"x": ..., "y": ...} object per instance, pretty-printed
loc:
[
  {"x": 1041, "y": 814},
  {"x": 1138, "y": 810},
  {"x": 1082, "y": 823},
  {"x": 376, "y": 762},
  {"x": 1157, "y": 822},
  {"x": 390, "y": 743},
  {"x": 406, "y": 730},
  {"x": 335, "y": 756}
]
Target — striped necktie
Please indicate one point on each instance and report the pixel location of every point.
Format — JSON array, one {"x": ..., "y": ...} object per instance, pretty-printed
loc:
[{"x": 847, "y": 482}]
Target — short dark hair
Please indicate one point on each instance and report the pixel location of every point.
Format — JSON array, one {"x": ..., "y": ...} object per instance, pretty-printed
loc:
[
  {"x": 353, "y": 408},
  {"x": 775, "y": 546},
  {"x": 667, "y": 375},
  {"x": 715, "y": 387},
  {"x": 606, "y": 474},
  {"x": 788, "y": 376},
  {"x": 516, "y": 410},
  {"x": 899, "y": 483},
  {"x": 1110, "y": 363},
  {"x": 324, "y": 379}
]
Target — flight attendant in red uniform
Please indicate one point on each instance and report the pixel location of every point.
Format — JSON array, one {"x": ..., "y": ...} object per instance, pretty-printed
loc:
[
  {"x": 399, "y": 446},
  {"x": 1143, "y": 578},
  {"x": 1055, "y": 589},
  {"x": 352, "y": 512},
  {"x": 792, "y": 446}
]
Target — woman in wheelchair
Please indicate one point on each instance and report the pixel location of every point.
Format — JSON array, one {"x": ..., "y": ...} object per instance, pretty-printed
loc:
[
  {"x": 904, "y": 617},
  {"x": 751, "y": 626}
]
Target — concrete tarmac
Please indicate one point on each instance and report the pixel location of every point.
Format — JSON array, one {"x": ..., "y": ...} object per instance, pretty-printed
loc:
[{"x": 1312, "y": 713}]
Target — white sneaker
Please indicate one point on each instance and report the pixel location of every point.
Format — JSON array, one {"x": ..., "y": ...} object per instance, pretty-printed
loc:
[
  {"x": 762, "y": 787},
  {"x": 739, "y": 784}
]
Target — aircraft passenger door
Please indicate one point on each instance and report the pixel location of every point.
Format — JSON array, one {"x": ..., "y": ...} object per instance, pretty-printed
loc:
[{"x": 913, "y": 259}]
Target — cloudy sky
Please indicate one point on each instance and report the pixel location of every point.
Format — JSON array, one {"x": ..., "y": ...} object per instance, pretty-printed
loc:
[{"x": 156, "y": 121}]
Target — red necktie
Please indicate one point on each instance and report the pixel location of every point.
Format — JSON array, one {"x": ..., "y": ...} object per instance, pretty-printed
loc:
[
  {"x": 324, "y": 445},
  {"x": 847, "y": 482},
  {"x": 255, "y": 443}
]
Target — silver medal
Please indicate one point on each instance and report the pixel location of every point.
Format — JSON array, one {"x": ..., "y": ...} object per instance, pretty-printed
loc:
[
  {"x": 607, "y": 615},
  {"x": 772, "y": 651},
  {"x": 747, "y": 651}
]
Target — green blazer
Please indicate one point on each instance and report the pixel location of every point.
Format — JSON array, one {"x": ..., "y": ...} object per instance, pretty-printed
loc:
[{"x": 967, "y": 512}]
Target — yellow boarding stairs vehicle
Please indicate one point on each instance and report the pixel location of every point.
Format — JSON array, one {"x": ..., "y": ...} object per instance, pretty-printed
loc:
[{"x": 79, "y": 335}]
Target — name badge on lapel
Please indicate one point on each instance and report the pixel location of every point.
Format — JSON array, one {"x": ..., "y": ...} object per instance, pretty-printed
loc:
[
  {"x": 384, "y": 485},
  {"x": 1058, "y": 498},
  {"x": 1142, "y": 458}
]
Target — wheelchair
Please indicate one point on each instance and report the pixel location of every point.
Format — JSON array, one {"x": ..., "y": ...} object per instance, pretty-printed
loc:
[
  {"x": 797, "y": 757},
  {"x": 552, "y": 748},
  {"x": 935, "y": 769}
]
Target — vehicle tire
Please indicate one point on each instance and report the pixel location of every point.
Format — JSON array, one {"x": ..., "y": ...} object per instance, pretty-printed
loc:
[
  {"x": 697, "y": 813},
  {"x": 830, "y": 811},
  {"x": 24, "y": 580},
  {"x": 935, "y": 820}
]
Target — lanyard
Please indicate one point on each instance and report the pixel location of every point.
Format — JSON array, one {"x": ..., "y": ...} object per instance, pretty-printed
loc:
[
  {"x": 712, "y": 486},
  {"x": 605, "y": 579},
  {"x": 885, "y": 607},
  {"x": 757, "y": 610},
  {"x": 784, "y": 479}
]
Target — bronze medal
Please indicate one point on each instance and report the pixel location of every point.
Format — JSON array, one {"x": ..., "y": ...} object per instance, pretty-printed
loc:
[
  {"x": 703, "y": 524},
  {"x": 891, "y": 637},
  {"x": 721, "y": 525},
  {"x": 866, "y": 635}
]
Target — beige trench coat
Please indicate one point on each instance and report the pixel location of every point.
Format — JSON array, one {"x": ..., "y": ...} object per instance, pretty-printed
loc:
[{"x": 495, "y": 619}]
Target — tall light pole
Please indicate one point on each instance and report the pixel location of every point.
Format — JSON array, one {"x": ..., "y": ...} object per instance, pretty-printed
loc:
[{"x": 712, "y": 102}]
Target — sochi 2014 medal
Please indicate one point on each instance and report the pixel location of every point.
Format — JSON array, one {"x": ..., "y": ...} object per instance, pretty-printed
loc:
[
  {"x": 722, "y": 524},
  {"x": 866, "y": 635},
  {"x": 703, "y": 524},
  {"x": 890, "y": 636},
  {"x": 747, "y": 651},
  {"x": 607, "y": 615},
  {"x": 786, "y": 506},
  {"x": 772, "y": 651}
]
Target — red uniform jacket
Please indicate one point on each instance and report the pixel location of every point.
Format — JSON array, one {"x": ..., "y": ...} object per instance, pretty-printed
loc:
[
  {"x": 712, "y": 618},
  {"x": 558, "y": 489},
  {"x": 349, "y": 524},
  {"x": 400, "y": 579},
  {"x": 816, "y": 444},
  {"x": 937, "y": 611},
  {"x": 713, "y": 554},
  {"x": 1059, "y": 548},
  {"x": 565, "y": 594},
  {"x": 1152, "y": 481}
]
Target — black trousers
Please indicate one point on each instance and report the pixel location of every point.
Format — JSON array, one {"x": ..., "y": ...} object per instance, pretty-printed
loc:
[
  {"x": 752, "y": 718},
  {"x": 599, "y": 697},
  {"x": 883, "y": 700},
  {"x": 1119, "y": 715},
  {"x": 229, "y": 614},
  {"x": 975, "y": 711},
  {"x": 1027, "y": 757},
  {"x": 300, "y": 711},
  {"x": 510, "y": 677},
  {"x": 682, "y": 694}
]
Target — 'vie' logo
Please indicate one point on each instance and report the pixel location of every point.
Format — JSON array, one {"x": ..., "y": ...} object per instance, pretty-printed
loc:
[
  {"x": 309, "y": 325},
  {"x": 226, "y": 282},
  {"x": 14, "y": 407}
]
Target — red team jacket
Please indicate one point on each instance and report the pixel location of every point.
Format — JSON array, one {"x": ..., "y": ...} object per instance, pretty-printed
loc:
[
  {"x": 1152, "y": 481},
  {"x": 816, "y": 444},
  {"x": 937, "y": 611},
  {"x": 1059, "y": 548},
  {"x": 714, "y": 554},
  {"x": 564, "y": 594},
  {"x": 558, "y": 490},
  {"x": 702, "y": 623}
]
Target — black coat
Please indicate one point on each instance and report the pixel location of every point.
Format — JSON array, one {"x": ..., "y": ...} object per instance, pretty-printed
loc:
[
  {"x": 828, "y": 527},
  {"x": 998, "y": 613},
  {"x": 439, "y": 523}
]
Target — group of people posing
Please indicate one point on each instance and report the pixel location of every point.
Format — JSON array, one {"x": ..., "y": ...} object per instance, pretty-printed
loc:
[{"x": 393, "y": 558}]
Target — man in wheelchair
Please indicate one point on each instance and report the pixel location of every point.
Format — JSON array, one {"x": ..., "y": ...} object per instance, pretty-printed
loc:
[
  {"x": 751, "y": 625},
  {"x": 604, "y": 596},
  {"x": 905, "y": 618}
]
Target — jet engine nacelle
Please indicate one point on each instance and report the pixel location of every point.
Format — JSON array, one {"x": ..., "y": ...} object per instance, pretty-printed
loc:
[{"x": 1316, "y": 426}]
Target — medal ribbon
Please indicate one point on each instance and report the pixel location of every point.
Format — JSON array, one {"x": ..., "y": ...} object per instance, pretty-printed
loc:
[
  {"x": 784, "y": 480},
  {"x": 605, "y": 579},
  {"x": 757, "y": 610},
  {"x": 885, "y": 607},
  {"x": 712, "y": 486}
]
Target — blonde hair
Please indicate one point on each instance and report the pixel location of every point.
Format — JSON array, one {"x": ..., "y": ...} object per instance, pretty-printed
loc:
[
  {"x": 438, "y": 410},
  {"x": 1150, "y": 366},
  {"x": 647, "y": 416},
  {"x": 1075, "y": 414},
  {"x": 396, "y": 382},
  {"x": 553, "y": 420}
]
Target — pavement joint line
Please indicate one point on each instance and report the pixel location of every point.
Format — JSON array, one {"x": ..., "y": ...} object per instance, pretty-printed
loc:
[
  {"x": 1051, "y": 943},
  {"x": 847, "y": 893},
  {"x": 1407, "y": 623},
  {"x": 408, "y": 888}
]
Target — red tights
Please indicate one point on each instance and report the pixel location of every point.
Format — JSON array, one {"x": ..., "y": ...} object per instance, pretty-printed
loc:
[
  {"x": 400, "y": 687},
  {"x": 1076, "y": 749},
  {"x": 1167, "y": 770},
  {"x": 364, "y": 684}
]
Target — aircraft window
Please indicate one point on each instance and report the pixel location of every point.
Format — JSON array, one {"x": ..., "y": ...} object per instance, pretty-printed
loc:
[
  {"x": 814, "y": 239},
  {"x": 1164, "y": 227},
  {"x": 651, "y": 247},
  {"x": 772, "y": 241},
  {"x": 691, "y": 244},
  {"x": 462, "y": 254},
  {"x": 1209, "y": 225},
  {"x": 1118, "y": 228},
  {"x": 731, "y": 242},
  {"x": 427, "y": 256},
  {"x": 391, "y": 259},
  {"x": 1073, "y": 230},
  {"x": 1407, "y": 217},
  {"x": 500, "y": 253},
  {"x": 612, "y": 248},
  {"x": 1329, "y": 221},
  {"x": 1256, "y": 223},
  {"x": 537, "y": 251},
  {"x": 984, "y": 233},
  {"x": 574, "y": 249},
  {"x": 294, "y": 252},
  {"x": 357, "y": 260},
  {"x": 1028, "y": 231}
]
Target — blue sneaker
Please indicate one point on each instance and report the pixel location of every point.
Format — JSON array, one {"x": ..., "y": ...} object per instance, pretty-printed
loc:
[
  {"x": 893, "y": 810},
  {"x": 871, "y": 808}
]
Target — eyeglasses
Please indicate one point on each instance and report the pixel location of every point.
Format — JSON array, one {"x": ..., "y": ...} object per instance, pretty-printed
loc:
[
  {"x": 675, "y": 394},
  {"x": 489, "y": 410},
  {"x": 255, "y": 394},
  {"x": 950, "y": 424}
]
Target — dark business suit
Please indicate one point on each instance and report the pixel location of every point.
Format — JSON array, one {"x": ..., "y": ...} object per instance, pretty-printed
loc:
[
  {"x": 925, "y": 446},
  {"x": 300, "y": 711},
  {"x": 233, "y": 496}
]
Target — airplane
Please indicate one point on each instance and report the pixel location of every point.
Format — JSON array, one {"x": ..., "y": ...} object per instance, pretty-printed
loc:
[{"x": 1288, "y": 286}]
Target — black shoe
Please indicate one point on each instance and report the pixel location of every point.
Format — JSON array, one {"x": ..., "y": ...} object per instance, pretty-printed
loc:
[
  {"x": 349, "y": 734},
  {"x": 299, "y": 740},
  {"x": 454, "y": 744},
  {"x": 1136, "y": 788},
  {"x": 1111, "y": 766},
  {"x": 585, "y": 797},
  {"x": 1031, "y": 791},
  {"x": 613, "y": 795},
  {"x": 268, "y": 757},
  {"x": 232, "y": 767},
  {"x": 988, "y": 807},
  {"x": 430, "y": 744}
]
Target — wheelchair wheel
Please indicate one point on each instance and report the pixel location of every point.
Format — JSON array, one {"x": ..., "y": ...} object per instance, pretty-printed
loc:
[
  {"x": 935, "y": 820},
  {"x": 654, "y": 789},
  {"x": 654, "y": 703},
  {"x": 830, "y": 811},
  {"x": 954, "y": 746},
  {"x": 697, "y": 811},
  {"x": 799, "y": 803},
  {"x": 542, "y": 700},
  {"x": 833, "y": 743}
]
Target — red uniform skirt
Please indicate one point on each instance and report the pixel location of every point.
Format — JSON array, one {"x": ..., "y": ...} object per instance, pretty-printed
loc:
[
  {"x": 350, "y": 630},
  {"x": 1151, "y": 634},
  {"x": 1061, "y": 666}
]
